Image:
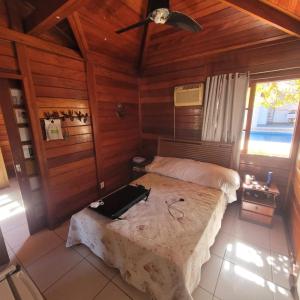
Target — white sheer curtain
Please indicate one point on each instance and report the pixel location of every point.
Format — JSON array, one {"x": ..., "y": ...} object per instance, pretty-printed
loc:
[{"x": 224, "y": 108}]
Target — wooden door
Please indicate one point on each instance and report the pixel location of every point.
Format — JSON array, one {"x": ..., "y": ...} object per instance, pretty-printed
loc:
[{"x": 20, "y": 137}]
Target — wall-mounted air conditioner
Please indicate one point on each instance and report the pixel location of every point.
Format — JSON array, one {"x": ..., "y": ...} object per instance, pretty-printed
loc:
[{"x": 189, "y": 95}]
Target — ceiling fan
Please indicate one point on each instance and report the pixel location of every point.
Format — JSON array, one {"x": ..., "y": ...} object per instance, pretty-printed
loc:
[{"x": 159, "y": 13}]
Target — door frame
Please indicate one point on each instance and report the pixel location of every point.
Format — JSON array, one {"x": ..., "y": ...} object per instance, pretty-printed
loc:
[{"x": 17, "y": 149}]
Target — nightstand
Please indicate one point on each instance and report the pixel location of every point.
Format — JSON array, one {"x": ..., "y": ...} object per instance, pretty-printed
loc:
[
  {"x": 139, "y": 170},
  {"x": 258, "y": 204}
]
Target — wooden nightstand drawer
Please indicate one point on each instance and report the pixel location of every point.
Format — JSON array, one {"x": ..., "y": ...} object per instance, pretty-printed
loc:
[
  {"x": 259, "y": 209},
  {"x": 257, "y": 218}
]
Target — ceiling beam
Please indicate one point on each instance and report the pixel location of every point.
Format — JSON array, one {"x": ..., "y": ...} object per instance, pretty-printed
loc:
[
  {"x": 146, "y": 36},
  {"x": 144, "y": 47},
  {"x": 75, "y": 23},
  {"x": 48, "y": 13},
  {"x": 26, "y": 39},
  {"x": 269, "y": 14}
]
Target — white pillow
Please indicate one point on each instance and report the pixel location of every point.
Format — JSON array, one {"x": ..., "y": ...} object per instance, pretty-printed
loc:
[{"x": 205, "y": 174}]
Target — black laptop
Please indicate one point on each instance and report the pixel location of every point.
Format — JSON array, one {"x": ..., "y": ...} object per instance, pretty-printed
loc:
[{"x": 118, "y": 202}]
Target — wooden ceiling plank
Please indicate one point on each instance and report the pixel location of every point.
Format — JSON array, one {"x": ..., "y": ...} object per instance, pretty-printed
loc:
[
  {"x": 269, "y": 14},
  {"x": 223, "y": 49},
  {"x": 49, "y": 13}
]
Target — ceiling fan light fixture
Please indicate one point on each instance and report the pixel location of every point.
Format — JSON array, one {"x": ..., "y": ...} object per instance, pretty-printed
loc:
[{"x": 160, "y": 15}]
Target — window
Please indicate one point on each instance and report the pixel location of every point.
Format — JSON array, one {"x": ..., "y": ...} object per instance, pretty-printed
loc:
[{"x": 270, "y": 118}]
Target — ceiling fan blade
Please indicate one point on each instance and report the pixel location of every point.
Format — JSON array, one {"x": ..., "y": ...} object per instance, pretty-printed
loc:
[
  {"x": 183, "y": 21},
  {"x": 136, "y": 25}
]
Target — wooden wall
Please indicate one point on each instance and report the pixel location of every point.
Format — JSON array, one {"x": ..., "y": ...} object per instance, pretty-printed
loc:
[
  {"x": 5, "y": 147},
  {"x": 295, "y": 209},
  {"x": 117, "y": 139},
  {"x": 60, "y": 84},
  {"x": 8, "y": 61},
  {"x": 8, "y": 64},
  {"x": 158, "y": 116},
  {"x": 112, "y": 61}
]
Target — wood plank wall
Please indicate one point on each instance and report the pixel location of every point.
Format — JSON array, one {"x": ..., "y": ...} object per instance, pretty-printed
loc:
[
  {"x": 117, "y": 138},
  {"x": 156, "y": 97},
  {"x": 8, "y": 61},
  {"x": 60, "y": 84},
  {"x": 5, "y": 147},
  {"x": 294, "y": 210}
]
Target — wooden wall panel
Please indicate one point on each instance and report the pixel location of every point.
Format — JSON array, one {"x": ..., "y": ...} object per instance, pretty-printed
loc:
[
  {"x": 60, "y": 85},
  {"x": 8, "y": 60},
  {"x": 118, "y": 138},
  {"x": 5, "y": 147},
  {"x": 294, "y": 210},
  {"x": 3, "y": 14}
]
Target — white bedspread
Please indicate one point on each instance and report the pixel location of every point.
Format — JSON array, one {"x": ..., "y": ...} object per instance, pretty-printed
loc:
[{"x": 155, "y": 252}]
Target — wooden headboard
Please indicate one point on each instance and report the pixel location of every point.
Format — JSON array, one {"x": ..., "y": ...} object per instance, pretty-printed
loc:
[{"x": 211, "y": 152}]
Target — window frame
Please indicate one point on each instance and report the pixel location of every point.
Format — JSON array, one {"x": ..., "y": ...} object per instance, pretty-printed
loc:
[{"x": 249, "y": 111}]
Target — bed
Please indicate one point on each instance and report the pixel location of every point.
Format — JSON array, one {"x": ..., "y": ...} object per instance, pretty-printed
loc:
[{"x": 159, "y": 245}]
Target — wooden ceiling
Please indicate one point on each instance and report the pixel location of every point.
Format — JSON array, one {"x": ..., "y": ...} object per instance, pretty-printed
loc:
[
  {"x": 225, "y": 28},
  {"x": 99, "y": 21},
  {"x": 291, "y": 7},
  {"x": 228, "y": 24}
]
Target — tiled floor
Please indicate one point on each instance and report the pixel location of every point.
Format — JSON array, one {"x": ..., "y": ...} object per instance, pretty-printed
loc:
[{"x": 248, "y": 262}]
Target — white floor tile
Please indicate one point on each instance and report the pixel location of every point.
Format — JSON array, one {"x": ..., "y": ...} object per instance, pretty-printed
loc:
[
  {"x": 13, "y": 222},
  {"x": 256, "y": 235},
  {"x": 252, "y": 258},
  {"x": 101, "y": 266},
  {"x": 83, "y": 250},
  {"x": 282, "y": 294},
  {"x": 236, "y": 283},
  {"x": 17, "y": 236},
  {"x": 82, "y": 282},
  {"x": 233, "y": 209},
  {"x": 63, "y": 230},
  {"x": 131, "y": 291},
  {"x": 36, "y": 246},
  {"x": 112, "y": 292},
  {"x": 56, "y": 262},
  {"x": 201, "y": 294},
  {"x": 228, "y": 223},
  {"x": 223, "y": 240},
  {"x": 281, "y": 268},
  {"x": 210, "y": 272},
  {"x": 278, "y": 241}
]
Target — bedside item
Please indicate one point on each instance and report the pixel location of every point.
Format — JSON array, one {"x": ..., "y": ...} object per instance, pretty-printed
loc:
[
  {"x": 248, "y": 179},
  {"x": 259, "y": 203},
  {"x": 138, "y": 159},
  {"x": 138, "y": 165},
  {"x": 269, "y": 179}
]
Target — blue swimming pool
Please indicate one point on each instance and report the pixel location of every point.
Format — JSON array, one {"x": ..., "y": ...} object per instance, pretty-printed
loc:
[{"x": 281, "y": 137}]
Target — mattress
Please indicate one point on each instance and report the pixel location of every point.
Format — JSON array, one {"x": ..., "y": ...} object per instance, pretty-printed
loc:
[{"x": 159, "y": 247}]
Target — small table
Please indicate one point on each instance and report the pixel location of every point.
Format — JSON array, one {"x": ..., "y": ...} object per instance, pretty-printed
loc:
[
  {"x": 259, "y": 204},
  {"x": 139, "y": 170}
]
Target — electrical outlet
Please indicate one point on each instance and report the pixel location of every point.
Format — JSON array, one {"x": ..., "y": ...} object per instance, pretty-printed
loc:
[{"x": 102, "y": 185}]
